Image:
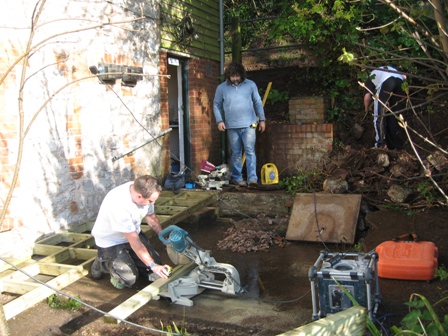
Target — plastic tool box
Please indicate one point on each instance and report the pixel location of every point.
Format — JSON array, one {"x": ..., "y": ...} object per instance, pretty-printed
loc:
[{"x": 407, "y": 258}]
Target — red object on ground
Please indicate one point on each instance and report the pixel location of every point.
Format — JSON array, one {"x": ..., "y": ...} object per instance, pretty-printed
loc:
[
  {"x": 407, "y": 260},
  {"x": 207, "y": 166}
]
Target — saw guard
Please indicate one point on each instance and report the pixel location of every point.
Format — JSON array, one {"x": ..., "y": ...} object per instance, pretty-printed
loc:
[{"x": 203, "y": 276}]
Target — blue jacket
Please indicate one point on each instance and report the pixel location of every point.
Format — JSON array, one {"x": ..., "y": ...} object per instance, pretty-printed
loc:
[{"x": 239, "y": 104}]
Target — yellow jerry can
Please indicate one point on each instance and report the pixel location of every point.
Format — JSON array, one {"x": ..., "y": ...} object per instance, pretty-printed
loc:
[{"x": 269, "y": 174}]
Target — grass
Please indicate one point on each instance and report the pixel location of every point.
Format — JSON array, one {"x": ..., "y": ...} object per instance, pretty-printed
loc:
[
  {"x": 55, "y": 301},
  {"x": 441, "y": 273}
]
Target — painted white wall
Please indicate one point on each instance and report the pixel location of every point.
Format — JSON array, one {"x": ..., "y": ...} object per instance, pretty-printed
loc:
[{"x": 47, "y": 198}]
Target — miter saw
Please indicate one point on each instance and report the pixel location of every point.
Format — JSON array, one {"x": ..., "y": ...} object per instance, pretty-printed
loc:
[
  {"x": 216, "y": 179},
  {"x": 182, "y": 250}
]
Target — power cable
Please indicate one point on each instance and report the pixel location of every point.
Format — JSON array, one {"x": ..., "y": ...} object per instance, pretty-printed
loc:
[
  {"x": 288, "y": 301},
  {"x": 86, "y": 304}
]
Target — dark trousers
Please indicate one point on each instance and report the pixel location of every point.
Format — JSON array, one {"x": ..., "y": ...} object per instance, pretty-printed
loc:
[
  {"x": 387, "y": 127},
  {"x": 123, "y": 264}
]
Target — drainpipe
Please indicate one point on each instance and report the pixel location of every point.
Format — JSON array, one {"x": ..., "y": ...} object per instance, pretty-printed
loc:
[
  {"x": 186, "y": 110},
  {"x": 221, "y": 36},
  {"x": 221, "y": 69}
]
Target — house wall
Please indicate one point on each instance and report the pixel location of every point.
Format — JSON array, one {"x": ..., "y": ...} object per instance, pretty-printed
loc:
[{"x": 73, "y": 126}]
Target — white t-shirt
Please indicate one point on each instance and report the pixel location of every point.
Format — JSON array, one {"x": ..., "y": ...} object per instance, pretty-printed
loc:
[
  {"x": 381, "y": 76},
  {"x": 118, "y": 215}
]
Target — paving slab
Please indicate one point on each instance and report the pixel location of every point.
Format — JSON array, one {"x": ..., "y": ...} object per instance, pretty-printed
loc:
[{"x": 331, "y": 218}]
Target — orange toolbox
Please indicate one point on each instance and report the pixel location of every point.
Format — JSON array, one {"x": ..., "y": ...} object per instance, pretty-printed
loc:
[{"x": 407, "y": 258}]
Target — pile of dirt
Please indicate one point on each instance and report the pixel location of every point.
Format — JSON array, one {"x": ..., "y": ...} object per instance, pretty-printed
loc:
[
  {"x": 368, "y": 171},
  {"x": 379, "y": 174}
]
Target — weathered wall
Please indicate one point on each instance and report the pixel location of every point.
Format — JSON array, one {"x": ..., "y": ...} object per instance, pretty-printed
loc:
[{"x": 70, "y": 135}]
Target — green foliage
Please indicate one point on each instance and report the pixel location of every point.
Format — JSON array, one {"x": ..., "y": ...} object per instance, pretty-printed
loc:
[
  {"x": 357, "y": 247},
  {"x": 392, "y": 207},
  {"x": 421, "y": 319},
  {"x": 427, "y": 191},
  {"x": 303, "y": 182},
  {"x": 374, "y": 331},
  {"x": 274, "y": 96},
  {"x": 170, "y": 329},
  {"x": 179, "y": 331},
  {"x": 441, "y": 273},
  {"x": 55, "y": 301}
]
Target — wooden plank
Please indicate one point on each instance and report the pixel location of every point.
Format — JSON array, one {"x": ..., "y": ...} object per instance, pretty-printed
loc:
[
  {"x": 18, "y": 287},
  {"x": 349, "y": 322},
  {"x": 146, "y": 294},
  {"x": 46, "y": 250},
  {"x": 32, "y": 269},
  {"x": 54, "y": 269},
  {"x": 5, "y": 266},
  {"x": 168, "y": 210},
  {"x": 33, "y": 297},
  {"x": 82, "y": 228},
  {"x": 83, "y": 254},
  {"x": 64, "y": 237}
]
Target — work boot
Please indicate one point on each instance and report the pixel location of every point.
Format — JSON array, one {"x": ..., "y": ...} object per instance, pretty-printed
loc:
[
  {"x": 253, "y": 184},
  {"x": 116, "y": 283},
  {"x": 95, "y": 270},
  {"x": 241, "y": 183}
]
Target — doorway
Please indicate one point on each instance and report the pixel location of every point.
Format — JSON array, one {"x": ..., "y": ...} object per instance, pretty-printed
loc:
[{"x": 178, "y": 113}]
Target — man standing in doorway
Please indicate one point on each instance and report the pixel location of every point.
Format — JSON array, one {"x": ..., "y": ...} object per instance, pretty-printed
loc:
[
  {"x": 123, "y": 249},
  {"x": 238, "y": 102},
  {"x": 385, "y": 82}
]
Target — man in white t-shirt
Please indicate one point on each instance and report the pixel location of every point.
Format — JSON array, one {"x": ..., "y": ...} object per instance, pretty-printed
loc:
[{"x": 123, "y": 249}]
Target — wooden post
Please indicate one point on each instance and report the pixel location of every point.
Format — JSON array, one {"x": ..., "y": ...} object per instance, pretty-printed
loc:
[
  {"x": 349, "y": 322},
  {"x": 236, "y": 40}
]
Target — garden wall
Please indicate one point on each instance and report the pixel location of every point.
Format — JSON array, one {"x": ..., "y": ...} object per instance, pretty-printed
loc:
[{"x": 303, "y": 143}]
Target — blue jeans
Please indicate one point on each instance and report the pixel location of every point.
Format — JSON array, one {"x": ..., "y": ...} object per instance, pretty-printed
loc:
[{"x": 240, "y": 138}]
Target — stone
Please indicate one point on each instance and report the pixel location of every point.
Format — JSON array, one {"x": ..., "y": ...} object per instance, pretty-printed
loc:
[
  {"x": 335, "y": 185},
  {"x": 438, "y": 160},
  {"x": 383, "y": 160},
  {"x": 399, "y": 194}
]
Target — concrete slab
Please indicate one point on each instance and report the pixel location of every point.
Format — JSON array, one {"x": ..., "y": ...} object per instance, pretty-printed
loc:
[{"x": 337, "y": 216}]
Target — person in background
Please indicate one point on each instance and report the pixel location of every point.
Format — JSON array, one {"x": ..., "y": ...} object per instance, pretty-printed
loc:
[
  {"x": 123, "y": 249},
  {"x": 238, "y": 108},
  {"x": 386, "y": 83}
]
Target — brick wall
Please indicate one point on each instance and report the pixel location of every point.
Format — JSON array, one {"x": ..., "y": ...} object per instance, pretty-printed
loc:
[
  {"x": 306, "y": 110},
  {"x": 205, "y": 137},
  {"x": 164, "y": 111},
  {"x": 301, "y": 144},
  {"x": 294, "y": 146}
]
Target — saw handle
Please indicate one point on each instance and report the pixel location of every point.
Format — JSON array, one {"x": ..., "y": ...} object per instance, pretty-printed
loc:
[{"x": 176, "y": 238}]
